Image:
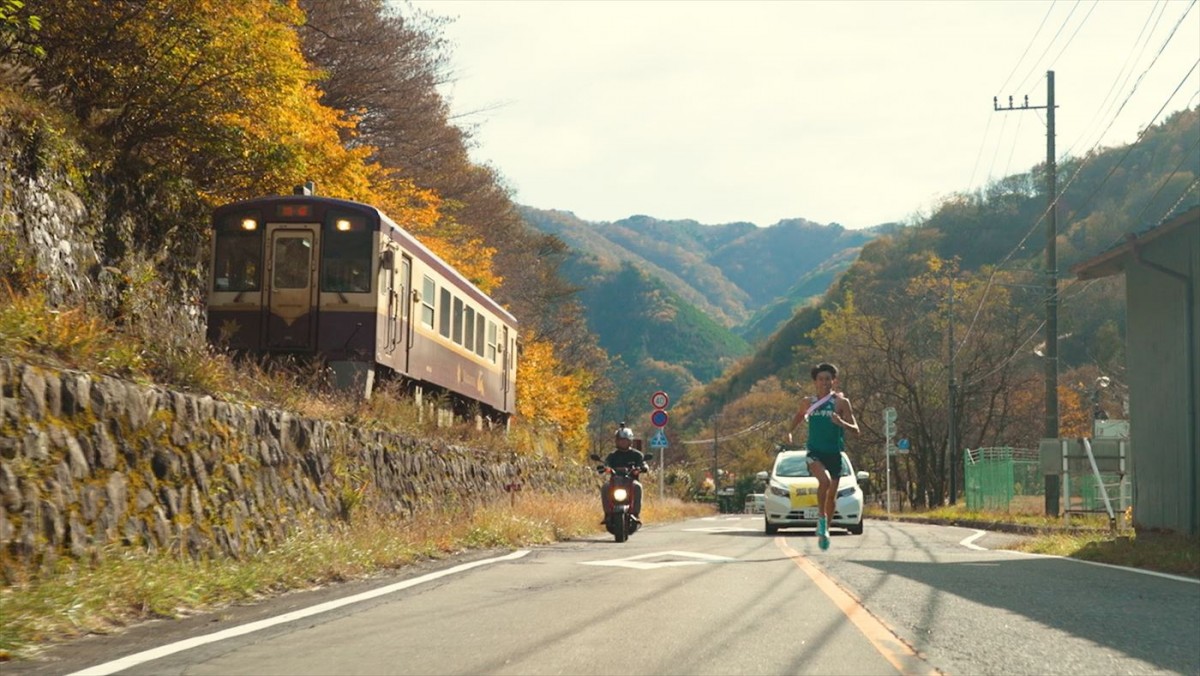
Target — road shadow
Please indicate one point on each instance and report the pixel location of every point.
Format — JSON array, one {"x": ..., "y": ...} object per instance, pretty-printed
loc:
[{"x": 1148, "y": 618}]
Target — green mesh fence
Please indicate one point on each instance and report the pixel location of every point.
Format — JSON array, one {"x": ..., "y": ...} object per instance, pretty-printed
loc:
[
  {"x": 1087, "y": 496},
  {"x": 995, "y": 478}
]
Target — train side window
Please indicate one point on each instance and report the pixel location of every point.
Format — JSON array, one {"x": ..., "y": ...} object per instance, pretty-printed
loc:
[
  {"x": 469, "y": 327},
  {"x": 491, "y": 342},
  {"x": 444, "y": 316},
  {"x": 479, "y": 335},
  {"x": 428, "y": 294},
  {"x": 237, "y": 261},
  {"x": 458, "y": 320}
]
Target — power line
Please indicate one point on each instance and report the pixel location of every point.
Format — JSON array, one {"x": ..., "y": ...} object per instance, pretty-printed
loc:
[
  {"x": 1110, "y": 99},
  {"x": 1138, "y": 82},
  {"x": 1031, "y": 41},
  {"x": 1072, "y": 38},
  {"x": 753, "y": 428},
  {"x": 1078, "y": 170}
]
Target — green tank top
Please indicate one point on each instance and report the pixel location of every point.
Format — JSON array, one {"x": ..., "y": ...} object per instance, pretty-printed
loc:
[{"x": 824, "y": 435}]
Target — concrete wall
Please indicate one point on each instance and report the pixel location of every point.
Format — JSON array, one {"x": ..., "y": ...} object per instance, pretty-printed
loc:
[
  {"x": 88, "y": 463},
  {"x": 1163, "y": 409}
]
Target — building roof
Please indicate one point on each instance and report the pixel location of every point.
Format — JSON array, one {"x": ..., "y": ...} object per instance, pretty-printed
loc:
[{"x": 1113, "y": 260}]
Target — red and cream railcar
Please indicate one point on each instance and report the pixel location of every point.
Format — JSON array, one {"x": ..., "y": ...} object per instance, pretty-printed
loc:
[{"x": 340, "y": 280}]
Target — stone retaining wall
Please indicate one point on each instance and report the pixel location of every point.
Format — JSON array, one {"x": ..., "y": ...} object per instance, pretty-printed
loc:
[{"x": 88, "y": 462}]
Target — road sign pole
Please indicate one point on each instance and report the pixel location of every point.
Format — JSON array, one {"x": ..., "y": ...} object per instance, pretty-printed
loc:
[
  {"x": 887, "y": 458},
  {"x": 662, "y": 472},
  {"x": 889, "y": 428}
]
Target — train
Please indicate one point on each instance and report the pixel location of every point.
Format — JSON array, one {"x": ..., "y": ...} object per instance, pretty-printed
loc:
[{"x": 339, "y": 281}]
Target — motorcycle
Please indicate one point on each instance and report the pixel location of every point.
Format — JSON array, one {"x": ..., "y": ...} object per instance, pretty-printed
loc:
[{"x": 619, "y": 518}]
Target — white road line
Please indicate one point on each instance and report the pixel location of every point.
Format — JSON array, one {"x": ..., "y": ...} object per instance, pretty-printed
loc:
[
  {"x": 196, "y": 641},
  {"x": 1143, "y": 571},
  {"x": 969, "y": 542}
]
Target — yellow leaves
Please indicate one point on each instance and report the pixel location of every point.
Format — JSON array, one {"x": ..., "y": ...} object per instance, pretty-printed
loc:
[{"x": 550, "y": 396}]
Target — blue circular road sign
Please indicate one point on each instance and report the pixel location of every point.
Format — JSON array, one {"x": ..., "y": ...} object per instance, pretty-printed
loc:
[{"x": 659, "y": 418}]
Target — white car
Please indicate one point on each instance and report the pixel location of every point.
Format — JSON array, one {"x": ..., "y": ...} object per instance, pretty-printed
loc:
[{"x": 791, "y": 497}]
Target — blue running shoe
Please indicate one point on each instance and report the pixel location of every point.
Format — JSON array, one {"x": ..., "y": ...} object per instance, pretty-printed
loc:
[{"x": 822, "y": 533}]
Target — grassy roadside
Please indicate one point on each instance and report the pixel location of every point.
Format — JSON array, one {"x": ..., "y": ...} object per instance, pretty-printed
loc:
[
  {"x": 127, "y": 587},
  {"x": 1088, "y": 538}
]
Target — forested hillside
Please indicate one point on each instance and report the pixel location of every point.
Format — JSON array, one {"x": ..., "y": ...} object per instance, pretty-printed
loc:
[
  {"x": 976, "y": 263},
  {"x": 730, "y": 271}
]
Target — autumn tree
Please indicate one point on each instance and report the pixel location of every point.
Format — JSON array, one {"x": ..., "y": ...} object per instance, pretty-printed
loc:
[
  {"x": 746, "y": 432},
  {"x": 210, "y": 99},
  {"x": 894, "y": 353},
  {"x": 384, "y": 65}
]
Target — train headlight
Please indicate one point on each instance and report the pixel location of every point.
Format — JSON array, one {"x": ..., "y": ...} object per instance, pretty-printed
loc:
[
  {"x": 249, "y": 224},
  {"x": 342, "y": 225}
]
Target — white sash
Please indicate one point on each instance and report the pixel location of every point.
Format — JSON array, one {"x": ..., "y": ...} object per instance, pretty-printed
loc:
[{"x": 817, "y": 404}]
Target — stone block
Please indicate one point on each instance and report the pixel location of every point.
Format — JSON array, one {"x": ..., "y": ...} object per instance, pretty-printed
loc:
[
  {"x": 33, "y": 393},
  {"x": 76, "y": 459},
  {"x": 76, "y": 393}
]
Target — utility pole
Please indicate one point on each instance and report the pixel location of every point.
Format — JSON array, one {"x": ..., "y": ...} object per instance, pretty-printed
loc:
[
  {"x": 716, "y": 478},
  {"x": 1050, "y": 360},
  {"x": 952, "y": 437}
]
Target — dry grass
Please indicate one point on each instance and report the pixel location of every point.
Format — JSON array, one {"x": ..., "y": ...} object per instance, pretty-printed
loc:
[
  {"x": 131, "y": 586},
  {"x": 1165, "y": 553}
]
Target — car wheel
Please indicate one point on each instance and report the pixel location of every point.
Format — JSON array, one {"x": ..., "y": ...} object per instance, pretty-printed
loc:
[
  {"x": 770, "y": 528},
  {"x": 856, "y": 529}
]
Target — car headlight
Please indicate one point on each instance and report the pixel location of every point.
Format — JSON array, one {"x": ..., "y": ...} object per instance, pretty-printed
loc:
[
  {"x": 620, "y": 494},
  {"x": 778, "y": 490},
  {"x": 846, "y": 492}
]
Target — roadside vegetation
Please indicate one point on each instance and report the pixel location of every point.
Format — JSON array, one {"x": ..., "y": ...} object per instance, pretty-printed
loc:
[{"x": 129, "y": 586}]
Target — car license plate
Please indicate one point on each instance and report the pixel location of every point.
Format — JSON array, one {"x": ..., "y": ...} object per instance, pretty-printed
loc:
[{"x": 812, "y": 513}]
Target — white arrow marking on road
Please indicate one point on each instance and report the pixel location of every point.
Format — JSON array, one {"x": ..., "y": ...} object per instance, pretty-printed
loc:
[{"x": 688, "y": 559}]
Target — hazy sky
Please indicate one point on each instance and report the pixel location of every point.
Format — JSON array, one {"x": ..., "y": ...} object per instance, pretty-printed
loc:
[{"x": 851, "y": 112}]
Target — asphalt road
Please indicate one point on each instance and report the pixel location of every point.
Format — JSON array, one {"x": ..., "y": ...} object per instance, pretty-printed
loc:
[{"x": 708, "y": 596}]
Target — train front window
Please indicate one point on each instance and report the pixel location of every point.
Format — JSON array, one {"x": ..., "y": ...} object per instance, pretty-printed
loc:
[
  {"x": 238, "y": 261},
  {"x": 346, "y": 262},
  {"x": 291, "y": 260}
]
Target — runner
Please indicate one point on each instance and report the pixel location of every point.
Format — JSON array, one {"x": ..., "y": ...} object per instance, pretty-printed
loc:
[{"x": 829, "y": 415}]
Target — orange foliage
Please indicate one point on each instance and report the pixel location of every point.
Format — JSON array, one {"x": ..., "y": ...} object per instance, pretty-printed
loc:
[{"x": 551, "y": 396}]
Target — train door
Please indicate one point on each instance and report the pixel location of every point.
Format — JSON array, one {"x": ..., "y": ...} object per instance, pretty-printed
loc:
[
  {"x": 505, "y": 377},
  {"x": 405, "y": 299},
  {"x": 291, "y": 286},
  {"x": 399, "y": 313}
]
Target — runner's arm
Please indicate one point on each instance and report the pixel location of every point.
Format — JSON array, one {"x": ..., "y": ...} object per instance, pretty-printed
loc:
[{"x": 845, "y": 414}]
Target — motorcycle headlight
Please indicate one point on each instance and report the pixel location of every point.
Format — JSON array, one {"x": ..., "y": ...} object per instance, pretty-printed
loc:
[{"x": 620, "y": 494}]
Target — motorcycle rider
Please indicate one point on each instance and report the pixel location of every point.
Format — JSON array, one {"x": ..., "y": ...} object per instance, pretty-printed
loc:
[{"x": 625, "y": 455}]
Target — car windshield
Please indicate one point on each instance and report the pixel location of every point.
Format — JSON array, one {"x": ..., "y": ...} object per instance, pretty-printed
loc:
[
  {"x": 797, "y": 466},
  {"x": 792, "y": 466}
]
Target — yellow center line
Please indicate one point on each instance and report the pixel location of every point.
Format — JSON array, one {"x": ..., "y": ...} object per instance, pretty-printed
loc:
[{"x": 893, "y": 649}]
